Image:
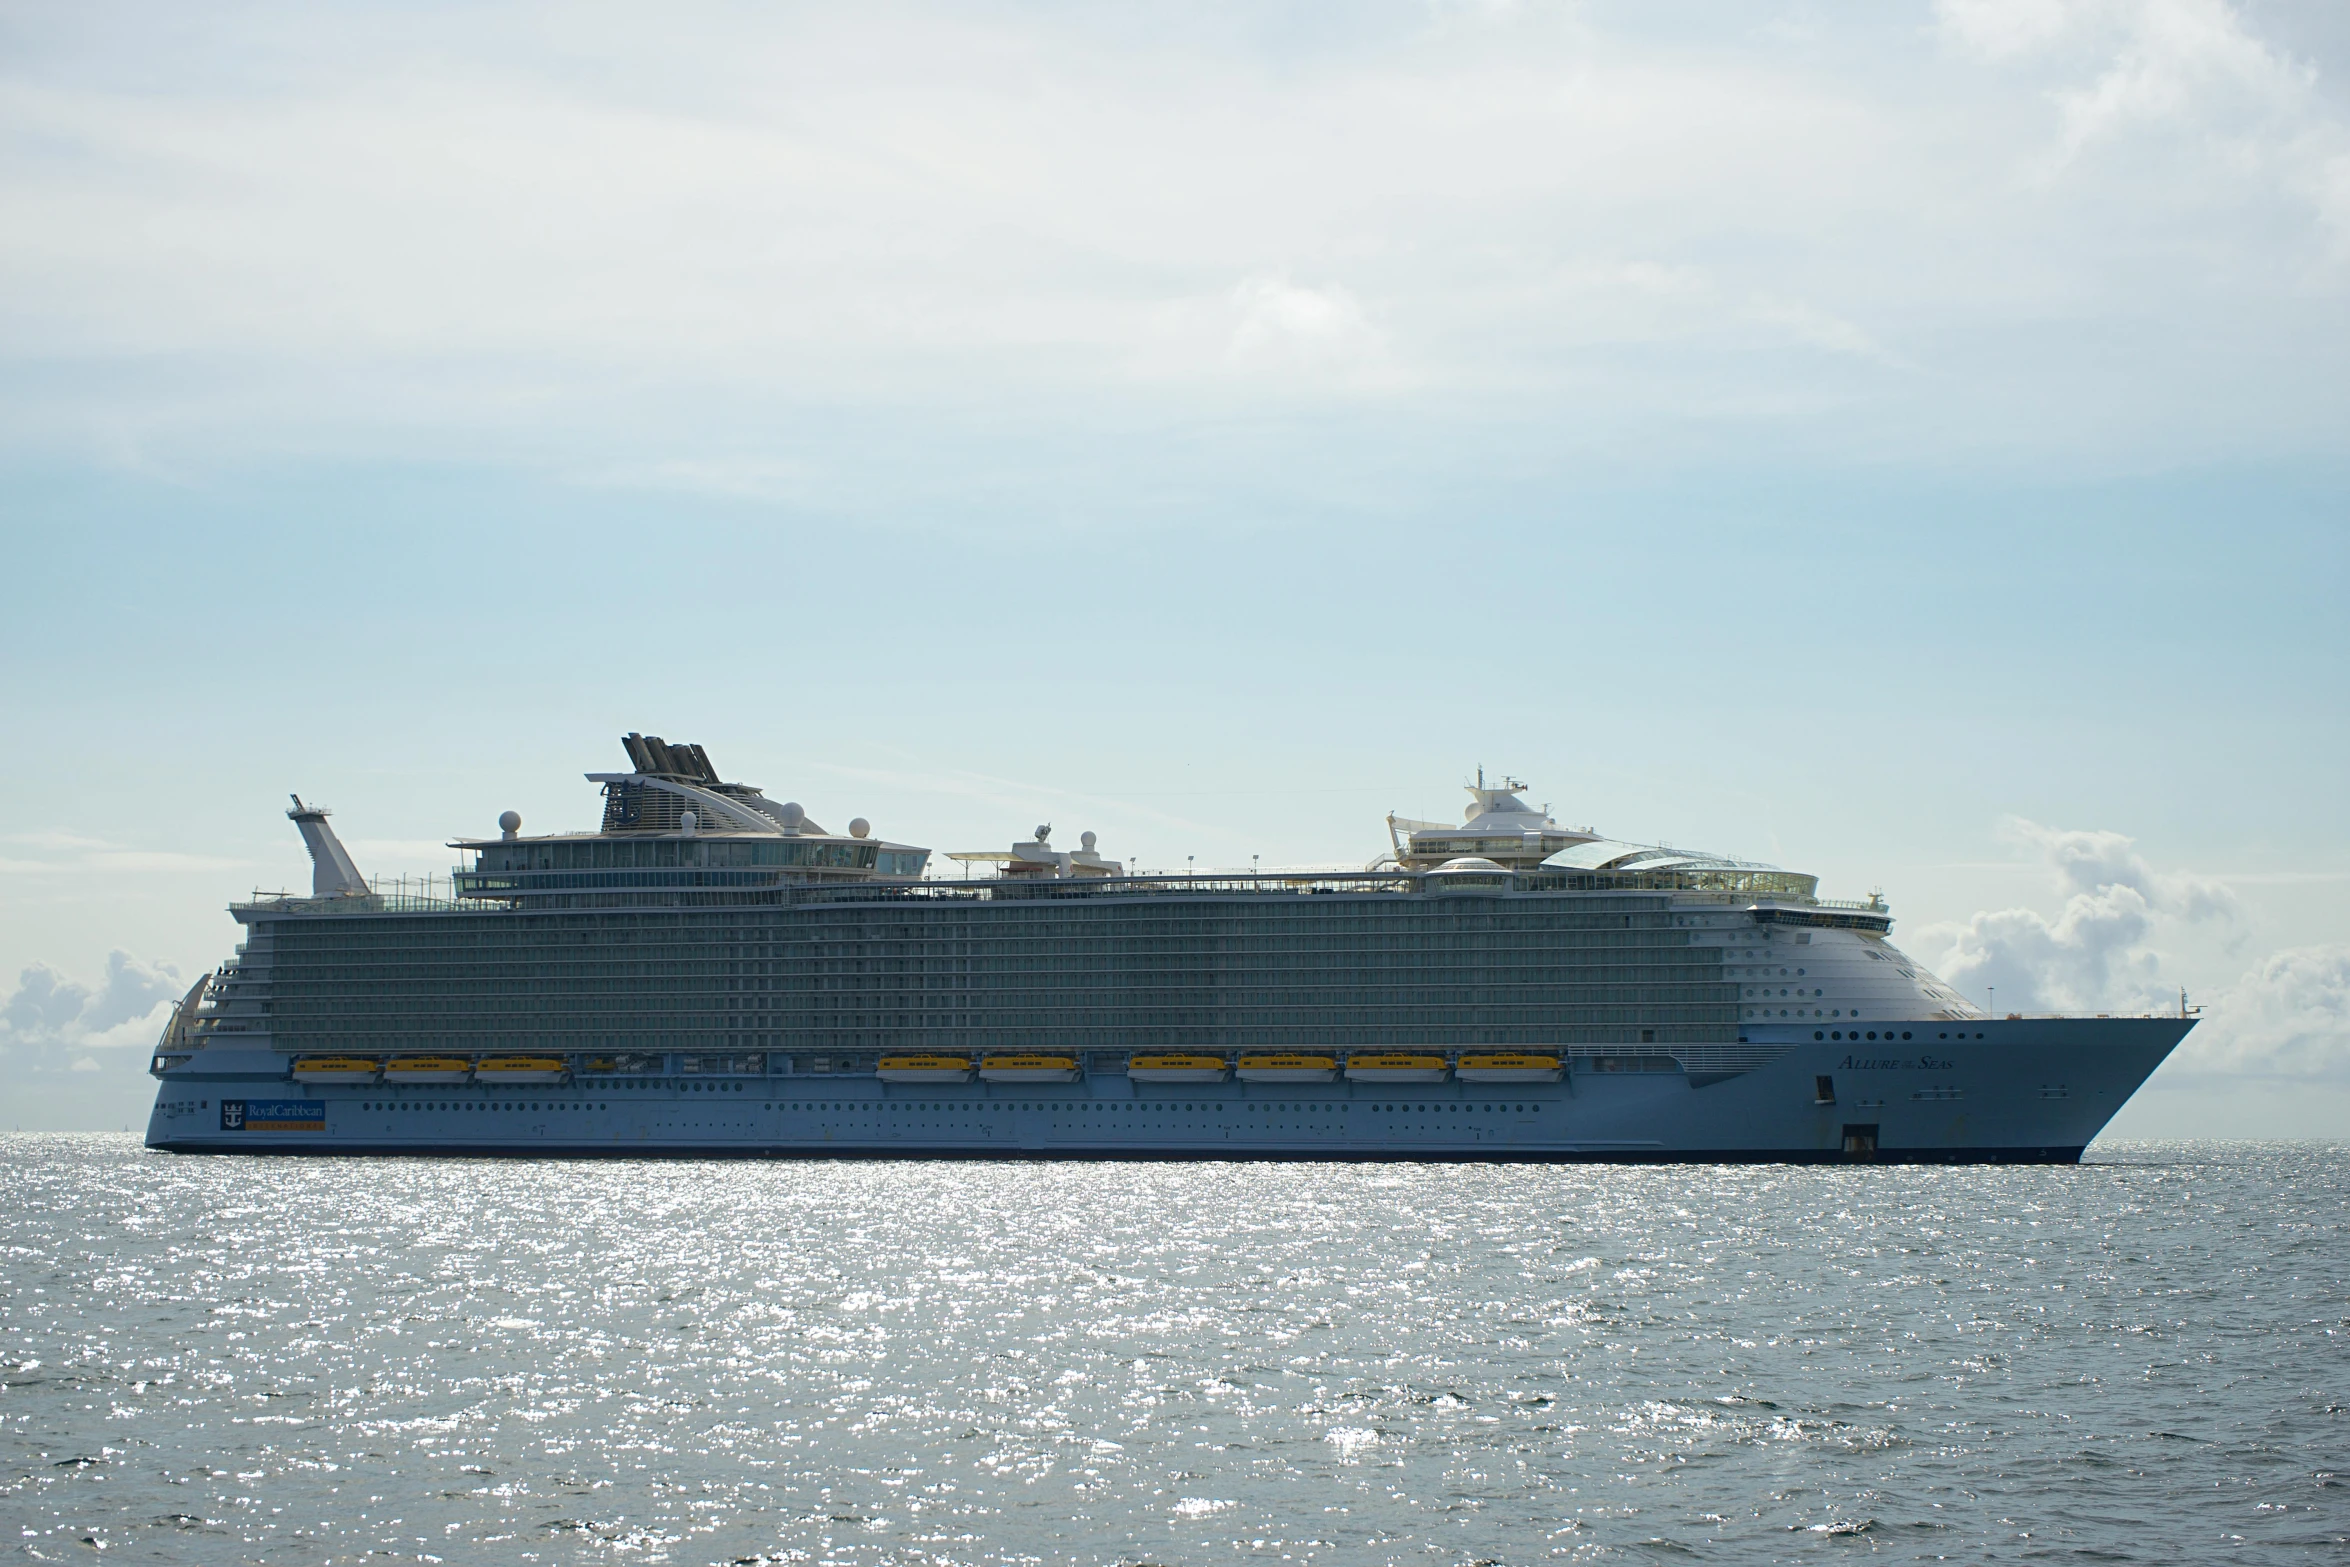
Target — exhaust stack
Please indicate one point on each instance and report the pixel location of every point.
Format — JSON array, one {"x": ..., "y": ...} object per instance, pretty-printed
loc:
[{"x": 332, "y": 874}]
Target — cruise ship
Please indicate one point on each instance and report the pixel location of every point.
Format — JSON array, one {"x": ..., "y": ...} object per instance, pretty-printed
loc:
[{"x": 713, "y": 973}]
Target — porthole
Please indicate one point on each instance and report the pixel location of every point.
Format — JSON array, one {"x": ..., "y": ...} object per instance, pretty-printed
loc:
[{"x": 1815, "y": 1033}]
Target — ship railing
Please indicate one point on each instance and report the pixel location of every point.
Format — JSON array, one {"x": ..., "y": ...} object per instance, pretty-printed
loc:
[
  {"x": 398, "y": 902},
  {"x": 1744, "y": 899},
  {"x": 1267, "y": 884},
  {"x": 437, "y": 895}
]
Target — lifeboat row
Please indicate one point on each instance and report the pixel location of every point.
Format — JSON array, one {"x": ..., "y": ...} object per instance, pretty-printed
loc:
[
  {"x": 396, "y": 1070},
  {"x": 1273, "y": 1067}
]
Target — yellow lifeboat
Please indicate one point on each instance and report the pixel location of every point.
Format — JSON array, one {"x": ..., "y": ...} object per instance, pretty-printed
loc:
[
  {"x": 1164, "y": 1068},
  {"x": 334, "y": 1069},
  {"x": 1507, "y": 1069},
  {"x": 519, "y": 1069},
  {"x": 1028, "y": 1069},
  {"x": 924, "y": 1069},
  {"x": 427, "y": 1069},
  {"x": 1389, "y": 1066},
  {"x": 1285, "y": 1068}
]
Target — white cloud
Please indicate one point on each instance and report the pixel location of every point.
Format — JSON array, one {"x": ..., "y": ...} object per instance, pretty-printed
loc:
[
  {"x": 2205, "y": 97},
  {"x": 2004, "y": 29},
  {"x": 1267, "y": 334},
  {"x": 752, "y": 477},
  {"x": 1287, "y": 328},
  {"x": 2098, "y": 953},
  {"x": 51, "y": 1022},
  {"x": 56, "y": 840},
  {"x": 2185, "y": 60},
  {"x": 74, "y": 854},
  {"x": 2105, "y": 950},
  {"x": 655, "y": 249},
  {"x": 2288, "y": 1017},
  {"x": 159, "y": 860},
  {"x": 1808, "y": 324}
]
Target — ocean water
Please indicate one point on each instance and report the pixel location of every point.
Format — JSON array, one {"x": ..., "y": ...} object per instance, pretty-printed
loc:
[{"x": 2144, "y": 1359}]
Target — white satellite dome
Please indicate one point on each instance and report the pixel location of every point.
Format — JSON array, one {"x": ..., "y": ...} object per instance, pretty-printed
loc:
[
  {"x": 510, "y": 822},
  {"x": 1473, "y": 864},
  {"x": 791, "y": 815},
  {"x": 859, "y": 827}
]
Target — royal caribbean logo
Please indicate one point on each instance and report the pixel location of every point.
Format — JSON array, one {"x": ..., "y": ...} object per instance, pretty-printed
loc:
[{"x": 273, "y": 1115}]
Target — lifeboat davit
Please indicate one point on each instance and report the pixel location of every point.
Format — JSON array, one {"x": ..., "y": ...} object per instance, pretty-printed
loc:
[
  {"x": 924, "y": 1069},
  {"x": 1395, "y": 1067},
  {"x": 1166, "y": 1068},
  {"x": 427, "y": 1069},
  {"x": 1507, "y": 1069},
  {"x": 519, "y": 1069},
  {"x": 1028, "y": 1069},
  {"x": 1285, "y": 1068}
]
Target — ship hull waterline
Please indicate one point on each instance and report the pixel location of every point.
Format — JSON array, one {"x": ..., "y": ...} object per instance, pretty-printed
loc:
[{"x": 1985, "y": 1104}]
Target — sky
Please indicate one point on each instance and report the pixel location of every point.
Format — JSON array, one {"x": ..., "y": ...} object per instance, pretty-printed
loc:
[{"x": 1905, "y": 442}]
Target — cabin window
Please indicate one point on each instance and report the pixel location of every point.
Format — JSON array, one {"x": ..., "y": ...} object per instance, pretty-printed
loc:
[{"x": 1823, "y": 1090}]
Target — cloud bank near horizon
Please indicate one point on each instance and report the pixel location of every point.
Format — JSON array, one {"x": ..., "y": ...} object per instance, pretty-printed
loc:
[
  {"x": 2114, "y": 944},
  {"x": 51, "y": 1023},
  {"x": 587, "y": 242}
]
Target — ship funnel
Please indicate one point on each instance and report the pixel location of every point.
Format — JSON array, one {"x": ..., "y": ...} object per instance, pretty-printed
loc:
[{"x": 332, "y": 875}]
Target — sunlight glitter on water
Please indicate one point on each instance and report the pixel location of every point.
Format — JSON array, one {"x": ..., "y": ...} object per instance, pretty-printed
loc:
[{"x": 293, "y": 1360}]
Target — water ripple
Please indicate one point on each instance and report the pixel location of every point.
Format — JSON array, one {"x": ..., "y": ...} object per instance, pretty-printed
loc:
[{"x": 231, "y": 1360}]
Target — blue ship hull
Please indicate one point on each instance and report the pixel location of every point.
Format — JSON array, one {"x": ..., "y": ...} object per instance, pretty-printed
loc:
[{"x": 2013, "y": 1091}]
